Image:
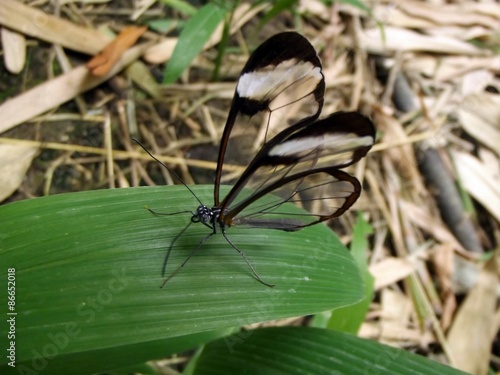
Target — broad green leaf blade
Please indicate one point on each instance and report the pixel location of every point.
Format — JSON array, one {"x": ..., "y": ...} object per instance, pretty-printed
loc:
[
  {"x": 51, "y": 358},
  {"x": 305, "y": 350},
  {"x": 87, "y": 267},
  {"x": 196, "y": 32}
]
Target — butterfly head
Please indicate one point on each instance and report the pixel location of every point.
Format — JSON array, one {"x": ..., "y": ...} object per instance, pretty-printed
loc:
[{"x": 203, "y": 214}]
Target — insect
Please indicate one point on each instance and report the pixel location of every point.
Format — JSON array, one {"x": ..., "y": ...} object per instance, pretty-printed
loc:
[{"x": 300, "y": 161}]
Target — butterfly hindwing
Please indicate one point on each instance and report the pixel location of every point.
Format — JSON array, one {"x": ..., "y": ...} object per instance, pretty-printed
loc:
[
  {"x": 325, "y": 194},
  {"x": 301, "y": 165}
]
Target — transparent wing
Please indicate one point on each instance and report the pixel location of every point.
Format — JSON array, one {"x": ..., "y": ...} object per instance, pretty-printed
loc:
[
  {"x": 301, "y": 165},
  {"x": 281, "y": 84},
  {"x": 325, "y": 194}
]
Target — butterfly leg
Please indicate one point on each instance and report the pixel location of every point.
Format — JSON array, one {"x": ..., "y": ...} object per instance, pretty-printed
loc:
[
  {"x": 165, "y": 261},
  {"x": 189, "y": 257},
  {"x": 247, "y": 261}
]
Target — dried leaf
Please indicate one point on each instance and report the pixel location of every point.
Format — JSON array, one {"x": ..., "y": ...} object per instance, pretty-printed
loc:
[
  {"x": 448, "y": 68},
  {"x": 395, "y": 318},
  {"x": 403, "y": 156},
  {"x": 15, "y": 162},
  {"x": 413, "y": 14},
  {"x": 59, "y": 90},
  {"x": 102, "y": 63},
  {"x": 142, "y": 76},
  {"x": 14, "y": 50},
  {"x": 161, "y": 52},
  {"x": 390, "y": 271},
  {"x": 479, "y": 115},
  {"x": 476, "y": 81},
  {"x": 443, "y": 258},
  {"x": 471, "y": 335},
  {"x": 424, "y": 218},
  {"x": 479, "y": 181},
  {"x": 29, "y": 20},
  {"x": 397, "y": 39}
]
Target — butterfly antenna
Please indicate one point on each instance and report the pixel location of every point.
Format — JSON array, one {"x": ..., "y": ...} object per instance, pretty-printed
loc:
[{"x": 167, "y": 168}]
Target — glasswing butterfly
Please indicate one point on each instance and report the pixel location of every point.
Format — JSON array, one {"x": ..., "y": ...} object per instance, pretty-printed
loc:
[{"x": 281, "y": 89}]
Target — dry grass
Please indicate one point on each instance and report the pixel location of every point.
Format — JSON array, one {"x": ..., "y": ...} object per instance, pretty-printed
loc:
[{"x": 436, "y": 109}]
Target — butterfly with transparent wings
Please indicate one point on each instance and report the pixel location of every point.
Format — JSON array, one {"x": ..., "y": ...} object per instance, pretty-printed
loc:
[{"x": 281, "y": 88}]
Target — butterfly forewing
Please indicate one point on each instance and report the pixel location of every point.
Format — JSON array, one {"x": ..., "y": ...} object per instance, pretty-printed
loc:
[{"x": 280, "y": 85}]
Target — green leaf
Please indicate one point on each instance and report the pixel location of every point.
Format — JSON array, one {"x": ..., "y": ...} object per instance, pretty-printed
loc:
[
  {"x": 52, "y": 356},
  {"x": 164, "y": 26},
  {"x": 181, "y": 6},
  {"x": 305, "y": 350},
  {"x": 359, "y": 245},
  {"x": 349, "y": 318},
  {"x": 87, "y": 273},
  {"x": 196, "y": 32}
]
